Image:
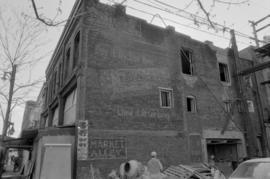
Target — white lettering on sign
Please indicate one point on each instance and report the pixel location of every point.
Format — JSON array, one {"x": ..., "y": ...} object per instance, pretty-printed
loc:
[{"x": 82, "y": 144}]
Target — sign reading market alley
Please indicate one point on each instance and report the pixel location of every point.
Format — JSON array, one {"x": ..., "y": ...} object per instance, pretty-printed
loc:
[{"x": 113, "y": 148}]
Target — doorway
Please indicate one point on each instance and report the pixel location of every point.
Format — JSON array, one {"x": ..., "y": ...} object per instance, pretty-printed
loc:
[{"x": 225, "y": 154}]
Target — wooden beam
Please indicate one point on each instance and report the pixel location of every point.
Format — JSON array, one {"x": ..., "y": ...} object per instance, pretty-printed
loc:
[
  {"x": 255, "y": 68},
  {"x": 265, "y": 82}
]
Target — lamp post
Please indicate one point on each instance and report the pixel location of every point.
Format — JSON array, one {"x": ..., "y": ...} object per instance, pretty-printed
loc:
[{"x": 7, "y": 123}]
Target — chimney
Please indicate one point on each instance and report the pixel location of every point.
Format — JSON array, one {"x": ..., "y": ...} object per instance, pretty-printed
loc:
[
  {"x": 209, "y": 43},
  {"x": 119, "y": 10}
]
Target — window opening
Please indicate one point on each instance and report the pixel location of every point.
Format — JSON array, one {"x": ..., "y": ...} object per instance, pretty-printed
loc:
[
  {"x": 223, "y": 72},
  {"x": 166, "y": 98},
  {"x": 186, "y": 58},
  {"x": 67, "y": 64},
  {"x": 76, "y": 49},
  {"x": 191, "y": 104}
]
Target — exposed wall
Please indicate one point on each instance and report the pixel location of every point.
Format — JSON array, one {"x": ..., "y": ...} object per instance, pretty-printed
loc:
[{"x": 126, "y": 62}]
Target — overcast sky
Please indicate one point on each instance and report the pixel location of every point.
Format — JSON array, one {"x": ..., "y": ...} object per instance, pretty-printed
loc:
[{"x": 235, "y": 17}]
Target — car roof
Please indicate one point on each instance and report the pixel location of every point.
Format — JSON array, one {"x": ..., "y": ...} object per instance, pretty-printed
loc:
[{"x": 258, "y": 160}]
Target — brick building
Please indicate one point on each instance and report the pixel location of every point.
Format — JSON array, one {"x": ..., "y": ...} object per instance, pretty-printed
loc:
[{"x": 118, "y": 88}]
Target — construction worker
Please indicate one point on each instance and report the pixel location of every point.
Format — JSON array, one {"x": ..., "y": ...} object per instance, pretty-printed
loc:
[{"x": 154, "y": 167}]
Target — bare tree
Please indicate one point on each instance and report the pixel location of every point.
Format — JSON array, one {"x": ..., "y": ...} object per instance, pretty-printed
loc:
[
  {"x": 20, "y": 49},
  {"x": 45, "y": 20}
]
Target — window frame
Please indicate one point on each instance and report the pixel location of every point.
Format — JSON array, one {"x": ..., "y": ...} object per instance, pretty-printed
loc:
[
  {"x": 250, "y": 106},
  {"x": 76, "y": 49},
  {"x": 67, "y": 61},
  {"x": 170, "y": 95},
  {"x": 193, "y": 105},
  {"x": 226, "y": 72},
  {"x": 228, "y": 106},
  {"x": 73, "y": 94},
  {"x": 191, "y": 61}
]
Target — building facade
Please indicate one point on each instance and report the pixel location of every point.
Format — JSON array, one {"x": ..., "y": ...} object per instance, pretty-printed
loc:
[{"x": 118, "y": 88}]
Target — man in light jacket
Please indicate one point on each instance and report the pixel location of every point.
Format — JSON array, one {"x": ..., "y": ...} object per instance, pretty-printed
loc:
[{"x": 154, "y": 167}]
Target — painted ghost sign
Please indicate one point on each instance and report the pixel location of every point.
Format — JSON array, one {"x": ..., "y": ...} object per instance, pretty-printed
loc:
[{"x": 111, "y": 148}]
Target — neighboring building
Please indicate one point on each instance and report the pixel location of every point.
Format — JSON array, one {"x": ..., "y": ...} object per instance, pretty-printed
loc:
[
  {"x": 118, "y": 88},
  {"x": 31, "y": 115}
]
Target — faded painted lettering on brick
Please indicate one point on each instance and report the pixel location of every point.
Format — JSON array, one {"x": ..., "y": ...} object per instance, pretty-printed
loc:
[{"x": 100, "y": 148}]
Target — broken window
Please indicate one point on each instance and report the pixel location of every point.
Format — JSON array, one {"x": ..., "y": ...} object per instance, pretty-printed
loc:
[
  {"x": 166, "y": 98},
  {"x": 76, "y": 49},
  {"x": 67, "y": 62},
  {"x": 186, "y": 59},
  {"x": 223, "y": 72},
  {"x": 191, "y": 104}
]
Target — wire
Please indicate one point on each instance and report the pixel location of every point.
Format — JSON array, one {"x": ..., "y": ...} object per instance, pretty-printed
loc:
[
  {"x": 175, "y": 22},
  {"x": 205, "y": 21}
]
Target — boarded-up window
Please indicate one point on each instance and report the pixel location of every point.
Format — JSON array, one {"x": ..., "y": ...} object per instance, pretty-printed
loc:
[
  {"x": 186, "y": 59},
  {"x": 165, "y": 98},
  {"x": 223, "y": 72},
  {"x": 76, "y": 49},
  {"x": 56, "y": 162},
  {"x": 70, "y": 108},
  {"x": 55, "y": 117}
]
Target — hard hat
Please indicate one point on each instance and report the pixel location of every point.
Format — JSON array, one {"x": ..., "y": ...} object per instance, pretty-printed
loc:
[{"x": 153, "y": 154}]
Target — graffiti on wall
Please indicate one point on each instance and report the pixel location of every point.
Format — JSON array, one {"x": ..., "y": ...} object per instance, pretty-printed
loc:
[{"x": 107, "y": 148}]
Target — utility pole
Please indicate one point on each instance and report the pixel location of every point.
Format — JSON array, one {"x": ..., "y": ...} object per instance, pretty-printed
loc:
[
  {"x": 6, "y": 120},
  {"x": 255, "y": 31},
  {"x": 248, "y": 125},
  {"x": 265, "y": 141}
]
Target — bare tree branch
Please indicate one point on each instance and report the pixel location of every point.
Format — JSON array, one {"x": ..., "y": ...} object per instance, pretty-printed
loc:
[
  {"x": 47, "y": 22},
  {"x": 2, "y": 112},
  {"x": 20, "y": 45},
  {"x": 20, "y": 87},
  {"x": 206, "y": 14},
  {"x": 233, "y": 3},
  {"x": 4, "y": 95}
]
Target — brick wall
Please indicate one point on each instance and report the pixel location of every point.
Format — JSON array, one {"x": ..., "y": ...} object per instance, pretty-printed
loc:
[{"x": 125, "y": 62}]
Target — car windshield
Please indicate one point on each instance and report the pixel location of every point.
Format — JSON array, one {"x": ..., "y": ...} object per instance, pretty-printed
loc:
[{"x": 256, "y": 170}]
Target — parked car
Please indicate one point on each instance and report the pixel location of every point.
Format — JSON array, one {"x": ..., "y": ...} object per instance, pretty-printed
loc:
[
  {"x": 198, "y": 171},
  {"x": 253, "y": 169}
]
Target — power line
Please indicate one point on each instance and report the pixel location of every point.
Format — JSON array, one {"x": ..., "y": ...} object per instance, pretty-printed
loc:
[
  {"x": 204, "y": 21},
  {"x": 178, "y": 23}
]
